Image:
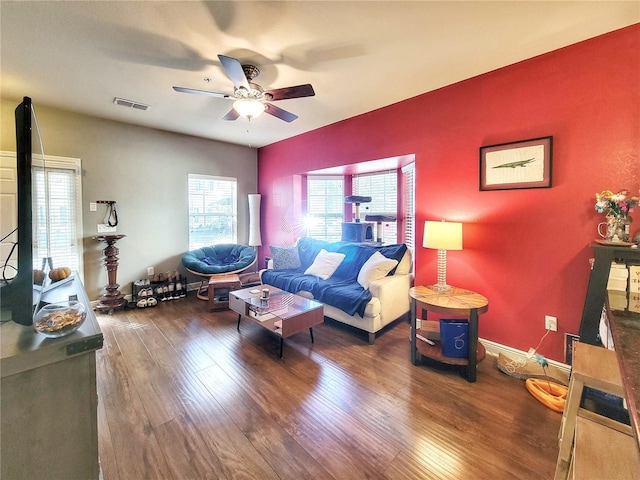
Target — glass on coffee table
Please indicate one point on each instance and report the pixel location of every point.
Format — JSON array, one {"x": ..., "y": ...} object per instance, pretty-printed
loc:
[{"x": 282, "y": 313}]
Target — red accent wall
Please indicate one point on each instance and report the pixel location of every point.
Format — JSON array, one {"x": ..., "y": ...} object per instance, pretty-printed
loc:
[{"x": 525, "y": 250}]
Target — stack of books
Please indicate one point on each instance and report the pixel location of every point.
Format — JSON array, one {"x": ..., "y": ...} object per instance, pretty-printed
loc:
[
  {"x": 617, "y": 286},
  {"x": 624, "y": 287},
  {"x": 618, "y": 277}
]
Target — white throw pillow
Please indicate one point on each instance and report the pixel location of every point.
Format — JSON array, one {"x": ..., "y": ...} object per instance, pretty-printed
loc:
[
  {"x": 377, "y": 267},
  {"x": 325, "y": 264}
]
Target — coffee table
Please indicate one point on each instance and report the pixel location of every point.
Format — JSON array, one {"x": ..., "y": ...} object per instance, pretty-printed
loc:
[{"x": 284, "y": 314}]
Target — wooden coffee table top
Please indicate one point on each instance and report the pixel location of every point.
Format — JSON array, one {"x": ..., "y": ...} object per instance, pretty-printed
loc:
[{"x": 286, "y": 313}]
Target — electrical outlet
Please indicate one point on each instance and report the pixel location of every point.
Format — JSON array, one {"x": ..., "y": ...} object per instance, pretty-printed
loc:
[
  {"x": 93, "y": 207},
  {"x": 150, "y": 271},
  {"x": 551, "y": 323}
]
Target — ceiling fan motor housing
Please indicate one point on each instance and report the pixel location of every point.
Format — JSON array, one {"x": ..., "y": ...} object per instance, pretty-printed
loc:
[
  {"x": 250, "y": 71},
  {"x": 255, "y": 92}
]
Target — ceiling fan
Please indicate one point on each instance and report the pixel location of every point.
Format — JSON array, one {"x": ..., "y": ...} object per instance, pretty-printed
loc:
[{"x": 250, "y": 98}]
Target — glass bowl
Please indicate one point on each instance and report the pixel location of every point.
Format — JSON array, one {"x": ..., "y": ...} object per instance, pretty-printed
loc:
[{"x": 59, "y": 319}]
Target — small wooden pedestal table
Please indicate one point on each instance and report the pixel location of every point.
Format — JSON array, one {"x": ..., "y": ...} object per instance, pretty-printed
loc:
[
  {"x": 456, "y": 302},
  {"x": 113, "y": 299},
  {"x": 223, "y": 284}
]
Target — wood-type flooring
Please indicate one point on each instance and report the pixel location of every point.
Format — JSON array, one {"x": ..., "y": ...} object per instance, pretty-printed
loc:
[{"x": 183, "y": 395}]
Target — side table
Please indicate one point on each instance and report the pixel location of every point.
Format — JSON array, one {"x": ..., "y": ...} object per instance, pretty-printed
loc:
[
  {"x": 219, "y": 288},
  {"x": 455, "y": 302}
]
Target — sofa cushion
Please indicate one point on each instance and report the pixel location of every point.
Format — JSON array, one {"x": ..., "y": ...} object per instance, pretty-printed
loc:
[
  {"x": 325, "y": 264},
  {"x": 377, "y": 267},
  {"x": 285, "y": 257}
]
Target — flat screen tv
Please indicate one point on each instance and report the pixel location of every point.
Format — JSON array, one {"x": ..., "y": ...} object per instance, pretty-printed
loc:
[{"x": 20, "y": 291}]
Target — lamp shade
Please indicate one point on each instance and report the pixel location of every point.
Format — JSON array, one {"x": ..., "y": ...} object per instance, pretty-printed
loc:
[
  {"x": 442, "y": 235},
  {"x": 249, "y": 108},
  {"x": 255, "y": 239}
]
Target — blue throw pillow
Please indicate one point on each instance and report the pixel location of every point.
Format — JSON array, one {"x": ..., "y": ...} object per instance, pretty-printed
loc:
[{"x": 285, "y": 258}]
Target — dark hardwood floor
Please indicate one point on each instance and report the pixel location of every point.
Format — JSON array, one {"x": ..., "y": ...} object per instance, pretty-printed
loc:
[{"x": 183, "y": 395}]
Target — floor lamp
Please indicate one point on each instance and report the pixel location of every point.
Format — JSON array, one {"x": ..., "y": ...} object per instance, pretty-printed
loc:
[
  {"x": 255, "y": 239},
  {"x": 442, "y": 236}
]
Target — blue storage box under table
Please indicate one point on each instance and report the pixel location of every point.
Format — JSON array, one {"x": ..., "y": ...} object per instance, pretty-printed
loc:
[{"x": 454, "y": 335}]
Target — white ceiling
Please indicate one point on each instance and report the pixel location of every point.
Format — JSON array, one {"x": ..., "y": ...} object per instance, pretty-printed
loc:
[{"x": 358, "y": 55}]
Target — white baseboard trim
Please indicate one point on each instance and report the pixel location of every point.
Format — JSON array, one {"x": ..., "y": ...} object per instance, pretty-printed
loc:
[{"x": 494, "y": 349}]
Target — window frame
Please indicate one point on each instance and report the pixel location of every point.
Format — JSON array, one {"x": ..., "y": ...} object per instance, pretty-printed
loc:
[
  {"x": 327, "y": 218},
  {"x": 74, "y": 166},
  {"x": 192, "y": 244},
  {"x": 390, "y": 229}
]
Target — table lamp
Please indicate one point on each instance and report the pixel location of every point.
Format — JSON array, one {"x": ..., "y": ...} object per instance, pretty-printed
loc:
[{"x": 442, "y": 236}]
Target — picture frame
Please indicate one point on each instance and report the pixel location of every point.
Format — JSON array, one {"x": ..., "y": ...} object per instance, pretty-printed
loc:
[{"x": 516, "y": 165}]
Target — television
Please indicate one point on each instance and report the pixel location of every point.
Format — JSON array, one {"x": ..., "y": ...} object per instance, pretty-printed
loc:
[{"x": 20, "y": 291}]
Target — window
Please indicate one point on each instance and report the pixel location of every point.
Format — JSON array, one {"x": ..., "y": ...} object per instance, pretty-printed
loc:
[
  {"x": 383, "y": 190},
  {"x": 409, "y": 202},
  {"x": 212, "y": 210},
  {"x": 57, "y": 213},
  {"x": 325, "y": 207}
]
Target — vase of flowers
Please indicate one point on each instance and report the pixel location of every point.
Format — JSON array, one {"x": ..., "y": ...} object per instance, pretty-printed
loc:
[{"x": 616, "y": 207}]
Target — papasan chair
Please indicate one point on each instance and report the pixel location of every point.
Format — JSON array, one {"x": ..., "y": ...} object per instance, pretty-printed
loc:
[{"x": 221, "y": 259}]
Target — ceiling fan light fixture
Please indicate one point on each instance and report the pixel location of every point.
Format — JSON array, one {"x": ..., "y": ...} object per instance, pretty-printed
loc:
[{"x": 248, "y": 108}]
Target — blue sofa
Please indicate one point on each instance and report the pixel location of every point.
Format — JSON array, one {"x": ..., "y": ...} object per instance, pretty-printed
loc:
[{"x": 345, "y": 300}]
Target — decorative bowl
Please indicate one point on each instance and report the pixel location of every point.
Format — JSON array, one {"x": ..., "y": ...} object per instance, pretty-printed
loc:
[{"x": 59, "y": 319}]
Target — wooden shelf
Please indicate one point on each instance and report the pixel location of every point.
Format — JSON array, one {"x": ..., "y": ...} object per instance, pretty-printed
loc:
[
  {"x": 435, "y": 352},
  {"x": 602, "y": 452}
]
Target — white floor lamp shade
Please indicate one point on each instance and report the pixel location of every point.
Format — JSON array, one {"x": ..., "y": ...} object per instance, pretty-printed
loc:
[{"x": 255, "y": 239}]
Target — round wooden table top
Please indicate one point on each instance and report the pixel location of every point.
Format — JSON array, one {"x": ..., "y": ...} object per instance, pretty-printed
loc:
[
  {"x": 455, "y": 301},
  {"x": 108, "y": 238}
]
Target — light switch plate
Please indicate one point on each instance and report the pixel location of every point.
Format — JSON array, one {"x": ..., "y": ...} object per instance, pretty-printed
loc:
[
  {"x": 93, "y": 207},
  {"x": 104, "y": 228}
]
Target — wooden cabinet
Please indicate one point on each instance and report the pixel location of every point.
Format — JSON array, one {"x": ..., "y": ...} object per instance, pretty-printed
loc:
[
  {"x": 624, "y": 323},
  {"x": 48, "y": 398},
  {"x": 597, "y": 289}
]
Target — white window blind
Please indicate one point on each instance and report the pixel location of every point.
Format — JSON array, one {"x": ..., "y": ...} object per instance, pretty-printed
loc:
[
  {"x": 212, "y": 210},
  {"x": 325, "y": 207},
  {"x": 409, "y": 202},
  {"x": 57, "y": 213},
  {"x": 382, "y": 187}
]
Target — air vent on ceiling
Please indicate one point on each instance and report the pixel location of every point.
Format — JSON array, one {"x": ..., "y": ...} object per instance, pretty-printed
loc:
[{"x": 130, "y": 104}]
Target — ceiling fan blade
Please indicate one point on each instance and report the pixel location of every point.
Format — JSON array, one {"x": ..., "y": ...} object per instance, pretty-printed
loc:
[
  {"x": 201, "y": 92},
  {"x": 280, "y": 113},
  {"x": 231, "y": 115},
  {"x": 234, "y": 70},
  {"x": 290, "y": 92}
]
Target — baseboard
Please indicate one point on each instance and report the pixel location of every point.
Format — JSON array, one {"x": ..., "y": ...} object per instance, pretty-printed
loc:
[{"x": 494, "y": 349}]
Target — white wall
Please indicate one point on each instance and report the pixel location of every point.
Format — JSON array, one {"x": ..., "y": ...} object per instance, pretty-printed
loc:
[{"x": 145, "y": 172}]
